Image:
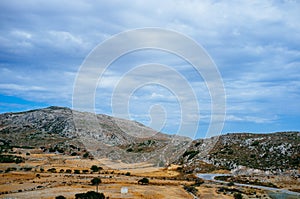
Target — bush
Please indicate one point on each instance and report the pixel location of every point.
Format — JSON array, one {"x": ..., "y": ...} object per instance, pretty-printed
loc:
[
  {"x": 127, "y": 174},
  {"x": 76, "y": 171},
  {"x": 143, "y": 181},
  {"x": 86, "y": 155},
  {"x": 230, "y": 184},
  {"x": 52, "y": 170},
  {"x": 68, "y": 171},
  {"x": 198, "y": 182},
  {"x": 10, "y": 169},
  {"x": 94, "y": 168},
  {"x": 11, "y": 159},
  {"x": 60, "y": 197},
  {"x": 190, "y": 189},
  {"x": 237, "y": 196},
  {"x": 90, "y": 195}
]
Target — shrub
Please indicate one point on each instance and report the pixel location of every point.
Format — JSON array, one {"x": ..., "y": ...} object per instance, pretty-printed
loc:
[
  {"x": 127, "y": 174},
  {"x": 190, "y": 189},
  {"x": 237, "y": 196},
  {"x": 199, "y": 181},
  {"x": 10, "y": 169},
  {"x": 61, "y": 171},
  {"x": 143, "y": 181},
  {"x": 60, "y": 197},
  {"x": 94, "y": 168},
  {"x": 90, "y": 195},
  {"x": 230, "y": 184},
  {"x": 68, "y": 171},
  {"x": 52, "y": 170},
  {"x": 86, "y": 155},
  {"x": 11, "y": 159},
  {"x": 76, "y": 171}
]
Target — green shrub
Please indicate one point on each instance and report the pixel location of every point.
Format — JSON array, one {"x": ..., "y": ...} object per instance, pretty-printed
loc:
[
  {"x": 60, "y": 197},
  {"x": 11, "y": 159},
  {"x": 52, "y": 170},
  {"x": 127, "y": 174},
  {"x": 190, "y": 189},
  {"x": 237, "y": 196},
  {"x": 94, "y": 168},
  {"x": 143, "y": 181},
  {"x": 90, "y": 195},
  {"x": 76, "y": 171}
]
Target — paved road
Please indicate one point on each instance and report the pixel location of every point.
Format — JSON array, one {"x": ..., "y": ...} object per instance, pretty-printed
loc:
[{"x": 209, "y": 176}]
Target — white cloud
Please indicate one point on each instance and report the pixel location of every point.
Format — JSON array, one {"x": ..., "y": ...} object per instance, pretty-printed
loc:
[{"x": 254, "y": 44}]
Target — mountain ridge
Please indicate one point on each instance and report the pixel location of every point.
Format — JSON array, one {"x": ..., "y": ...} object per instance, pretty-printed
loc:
[{"x": 60, "y": 129}]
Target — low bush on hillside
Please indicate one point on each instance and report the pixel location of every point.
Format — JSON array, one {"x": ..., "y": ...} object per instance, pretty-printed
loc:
[
  {"x": 90, "y": 195},
  {"x": 11, "y": 159},
  {"x": 190, "y": 189}
]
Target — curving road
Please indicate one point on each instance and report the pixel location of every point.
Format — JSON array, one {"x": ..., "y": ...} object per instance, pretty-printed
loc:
[{"x": 210, "y": 176}]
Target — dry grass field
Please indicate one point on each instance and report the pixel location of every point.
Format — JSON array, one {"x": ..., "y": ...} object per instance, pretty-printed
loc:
[{"x": 46, "y": 176}]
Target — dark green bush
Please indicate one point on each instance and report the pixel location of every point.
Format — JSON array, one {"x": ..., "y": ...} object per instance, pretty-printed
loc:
[{"x": 90, "y": 195}]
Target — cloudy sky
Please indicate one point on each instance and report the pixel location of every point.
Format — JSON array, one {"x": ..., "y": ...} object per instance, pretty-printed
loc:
[{"x": 254, "y": 44}]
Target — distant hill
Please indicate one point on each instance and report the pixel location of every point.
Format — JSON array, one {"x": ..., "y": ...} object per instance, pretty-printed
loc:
[
  {"x": 59, "y": 129},
  {"x": 62, "y": 130},
  {"x": 274, "y": 152}
]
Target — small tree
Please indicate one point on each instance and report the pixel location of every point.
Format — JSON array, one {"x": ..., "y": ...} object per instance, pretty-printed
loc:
[{"x": 96, "y": 181}]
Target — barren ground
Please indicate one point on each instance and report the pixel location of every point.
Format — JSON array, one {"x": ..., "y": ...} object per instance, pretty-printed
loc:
[{"x": 164, "y": 183}]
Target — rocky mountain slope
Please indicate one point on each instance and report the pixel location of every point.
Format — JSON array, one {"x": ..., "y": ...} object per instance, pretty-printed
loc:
[
  {"x": 269, "y": 152},
  {"x": 62, "y": 130},
  {"x": 58, "y": 129}
]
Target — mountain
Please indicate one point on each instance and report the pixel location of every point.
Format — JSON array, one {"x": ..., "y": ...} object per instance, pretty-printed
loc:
[
  {"x": 58, "y": 129},
  {"x": 269, "y": 152},
  {"x": 62, "y": 130}
]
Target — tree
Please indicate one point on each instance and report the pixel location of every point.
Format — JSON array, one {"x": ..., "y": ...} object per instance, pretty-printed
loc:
[
  {"x": 96, "y": 181},
  {"x": 143, "y": 181},
  {"x": 94, "y": 168}
]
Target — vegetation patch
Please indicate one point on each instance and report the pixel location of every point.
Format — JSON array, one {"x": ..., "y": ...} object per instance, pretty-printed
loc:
[{"x": 11, "y": 159}]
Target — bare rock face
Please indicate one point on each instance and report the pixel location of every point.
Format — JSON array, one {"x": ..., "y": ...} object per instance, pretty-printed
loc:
[{"x": 101, "y": 135}]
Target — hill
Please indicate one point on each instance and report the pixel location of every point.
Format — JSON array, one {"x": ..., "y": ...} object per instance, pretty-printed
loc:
[
  {"x": 62, "y": 130},
  {"x": 269, "y": 152}
]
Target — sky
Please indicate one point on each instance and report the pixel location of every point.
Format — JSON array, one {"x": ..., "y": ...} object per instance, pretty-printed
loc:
[{"x": 254, "y": 45}]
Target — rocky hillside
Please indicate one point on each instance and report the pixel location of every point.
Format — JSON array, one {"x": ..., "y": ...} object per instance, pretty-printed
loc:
[
  {"x": 273, "y": 152},
  {"x": 63, "y": 130}
]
